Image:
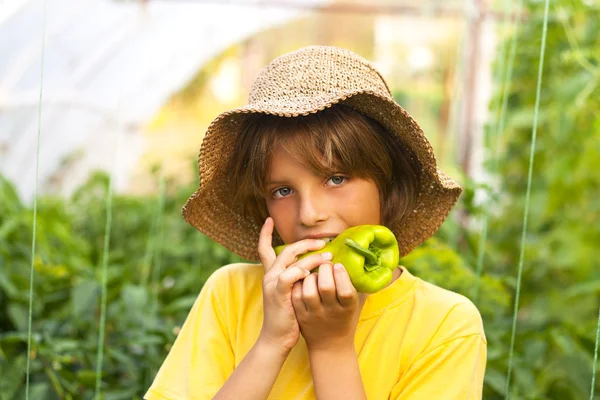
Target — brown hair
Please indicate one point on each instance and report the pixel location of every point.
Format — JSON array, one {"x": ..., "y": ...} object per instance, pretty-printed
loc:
[{"x": 335, "y": 140}]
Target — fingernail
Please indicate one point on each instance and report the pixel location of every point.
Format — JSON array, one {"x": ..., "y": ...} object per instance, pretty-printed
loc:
[
  {"x": 338, "y": 267},
  {"x": 327, "y": 255},
  {"x": 320, "y": 242}
]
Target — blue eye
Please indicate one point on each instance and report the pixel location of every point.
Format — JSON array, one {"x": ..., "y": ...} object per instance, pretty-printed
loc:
[
  {"x": 338, "y": 179},
  {"x": 282, "y": 192}
]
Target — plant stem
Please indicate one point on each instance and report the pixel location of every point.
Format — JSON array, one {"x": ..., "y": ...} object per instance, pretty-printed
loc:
[{"x": 369, "y": 256}]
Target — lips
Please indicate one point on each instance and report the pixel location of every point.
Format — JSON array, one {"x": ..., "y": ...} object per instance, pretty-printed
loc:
[{"x": 327, "y": 237}]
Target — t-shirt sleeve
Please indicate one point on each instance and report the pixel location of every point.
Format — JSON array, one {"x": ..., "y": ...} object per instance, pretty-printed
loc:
[
  {"x": 452, "y": 369},
  {"x": 201, "y": 359}
]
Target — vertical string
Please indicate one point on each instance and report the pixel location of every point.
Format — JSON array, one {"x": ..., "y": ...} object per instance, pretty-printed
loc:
[
  {"x": 158, "y": 243},
  {"x": 101, "y": 329},
  {"x": 527, "y": 195},
  {"x": 153, "y": 253},
  {"x": 35, "y": 197},
  {"x": 150, "y": 246},
  {"x": 506, "y": 78},
  {"x": 105, "y": 252},
  {"x": 595, "y": 359}
]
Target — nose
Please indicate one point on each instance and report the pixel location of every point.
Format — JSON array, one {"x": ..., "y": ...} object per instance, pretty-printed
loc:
[{"x": 313, "y": 210}]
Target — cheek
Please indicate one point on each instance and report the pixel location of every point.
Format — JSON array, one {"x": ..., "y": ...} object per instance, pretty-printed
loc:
[
  {"x": 275, "y": 208},
  {"x": 282, "y": 213},
  {"x": 364, "y": 205}
]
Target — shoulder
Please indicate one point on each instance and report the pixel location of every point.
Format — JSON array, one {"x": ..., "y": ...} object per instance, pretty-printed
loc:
[
  {"x": 455, "y": 314},
  {"x": 236, "y": 272},
  {"x": 448, "y": 302},
  {"x": 235, "y": 279}
]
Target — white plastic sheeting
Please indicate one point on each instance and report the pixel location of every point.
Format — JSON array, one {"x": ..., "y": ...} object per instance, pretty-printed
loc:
[{"x": 108, "y": 67}]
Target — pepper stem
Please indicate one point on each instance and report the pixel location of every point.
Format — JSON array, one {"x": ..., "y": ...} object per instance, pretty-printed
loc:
[{"x": 369, "y": 256}]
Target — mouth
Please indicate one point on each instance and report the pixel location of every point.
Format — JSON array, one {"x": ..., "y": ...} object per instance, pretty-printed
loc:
[{"x": 327, "y": 239}]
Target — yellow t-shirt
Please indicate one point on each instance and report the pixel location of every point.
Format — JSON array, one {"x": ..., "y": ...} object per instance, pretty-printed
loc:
[{"x": 414, "y": 341}]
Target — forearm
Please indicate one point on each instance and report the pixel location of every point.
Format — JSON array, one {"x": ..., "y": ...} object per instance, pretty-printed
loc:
[
  {"x": 255, "y": 375},
  {"x": 336, "y": 374}
]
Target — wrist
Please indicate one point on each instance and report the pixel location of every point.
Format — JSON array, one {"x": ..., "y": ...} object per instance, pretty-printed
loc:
[
  {"x": 332, "y": 347},
  {"x": 344, "y": 381},
  {"x": 271, "y": 348}
]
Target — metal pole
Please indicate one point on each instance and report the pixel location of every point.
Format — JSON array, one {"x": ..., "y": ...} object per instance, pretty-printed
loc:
[{"x": 475, "y": 21}]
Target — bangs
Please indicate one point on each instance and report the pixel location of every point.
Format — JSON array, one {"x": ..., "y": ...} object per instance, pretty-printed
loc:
[{"x": 336, "y": 140}]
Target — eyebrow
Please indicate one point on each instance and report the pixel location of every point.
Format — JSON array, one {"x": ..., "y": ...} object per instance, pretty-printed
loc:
[{"x": 277, "y": 182}]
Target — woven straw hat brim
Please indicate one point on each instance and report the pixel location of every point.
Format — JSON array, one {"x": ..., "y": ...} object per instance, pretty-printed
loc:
[{"x": 211, "y": 208}]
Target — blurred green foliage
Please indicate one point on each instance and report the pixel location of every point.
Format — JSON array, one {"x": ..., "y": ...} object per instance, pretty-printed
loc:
[
  {"x": 147, "y": 300},
  {"x": 558, "y": 310}
]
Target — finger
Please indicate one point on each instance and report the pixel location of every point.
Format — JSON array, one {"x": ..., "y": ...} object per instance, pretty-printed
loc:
[
  {"x": 290, "y": 253},
  {"x": 313, "y": 261},
  {"x": 326, "y": 284},
  {"x": 346, "y": 293},
  {"x": 265, "y": 244},
  {"x": 310, "y": 293},
  {"x": 287, "y": 278},
  {"x": 298, "y": 303}
]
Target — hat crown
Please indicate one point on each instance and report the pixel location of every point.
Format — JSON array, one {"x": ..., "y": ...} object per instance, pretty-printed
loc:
[{"x": 313, "y": 75}]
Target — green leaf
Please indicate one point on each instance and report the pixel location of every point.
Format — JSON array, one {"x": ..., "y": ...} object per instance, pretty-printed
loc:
[
  {"x": 12, "y": 376},
  {"x": 39, "y": 390},
  {"x": 19, "y": 315},
  {"x": 583, "y": 289},
  {"x": 496, "y": 380},
  {"x": 84, "y": 297},
  {"x": 125, "y": 394},
  {"x": 87, "y": 378},
  {"x": 135, "y": 300},
  {"x": 61, "y": 346}
]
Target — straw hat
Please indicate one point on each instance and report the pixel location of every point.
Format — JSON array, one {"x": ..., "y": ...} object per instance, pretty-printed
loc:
[{"x": 306, "y": 81}]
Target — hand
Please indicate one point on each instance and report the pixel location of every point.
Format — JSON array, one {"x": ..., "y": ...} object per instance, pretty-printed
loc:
[
  {"x": 327, "y": 308},
  {"x": 280, "y": 327}
]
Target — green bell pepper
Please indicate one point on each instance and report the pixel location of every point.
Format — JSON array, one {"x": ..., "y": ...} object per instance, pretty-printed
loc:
[{"x": 368, "y": 252}]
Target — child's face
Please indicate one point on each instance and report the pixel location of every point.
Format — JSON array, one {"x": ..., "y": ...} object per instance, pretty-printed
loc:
[{"x": 304, "y": 204}]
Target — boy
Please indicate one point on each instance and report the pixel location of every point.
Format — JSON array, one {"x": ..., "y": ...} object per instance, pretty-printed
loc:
[{"x": 320, "y": 147}]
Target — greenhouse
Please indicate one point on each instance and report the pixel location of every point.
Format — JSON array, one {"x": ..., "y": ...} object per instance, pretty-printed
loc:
[{"x": 107, "y": 245}]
